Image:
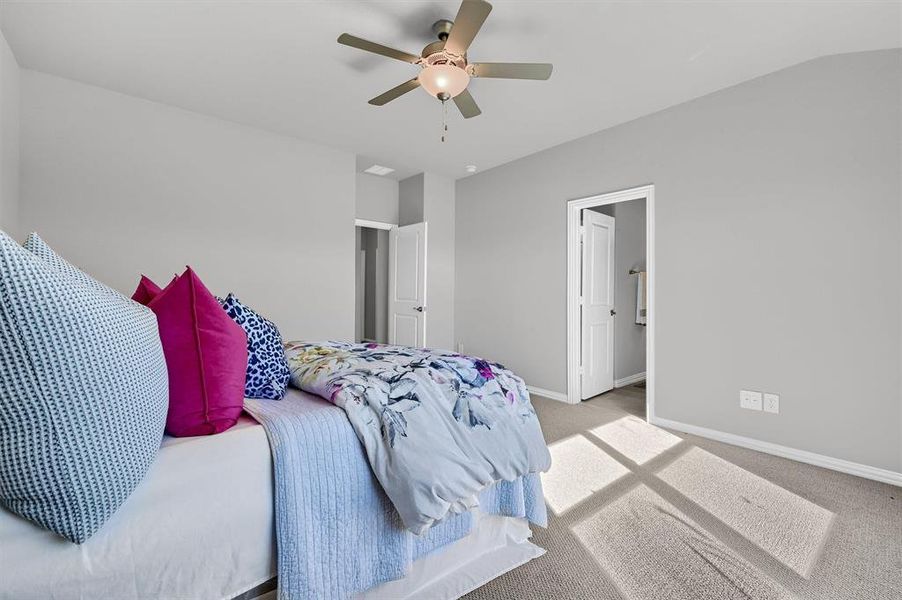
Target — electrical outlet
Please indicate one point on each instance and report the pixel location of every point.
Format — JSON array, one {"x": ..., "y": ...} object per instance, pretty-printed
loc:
[
  {"x": 750, "y": 400},
  {"x": 772, "y": 403}
]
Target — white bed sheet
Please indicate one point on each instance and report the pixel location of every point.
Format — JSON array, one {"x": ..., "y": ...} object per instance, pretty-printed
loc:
[{"x": 200, "y": 525}]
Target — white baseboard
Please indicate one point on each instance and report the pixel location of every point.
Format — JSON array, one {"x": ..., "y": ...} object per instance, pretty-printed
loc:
[
  {"x": 547, "y": 393},
  {"x": 818, "y": 460},
  {"x": 629, "y": 380}
]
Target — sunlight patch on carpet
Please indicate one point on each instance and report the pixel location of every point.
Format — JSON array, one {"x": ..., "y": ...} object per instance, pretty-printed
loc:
[
  {"x": 579, "y": 469},
  {"x": 653, "y": 551},
  {"x": 636, "y": 439},
  {"x": 786, "y": 526}
]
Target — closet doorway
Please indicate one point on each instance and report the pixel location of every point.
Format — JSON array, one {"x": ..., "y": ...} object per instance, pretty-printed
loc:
[{"x": 372, "y": 263}]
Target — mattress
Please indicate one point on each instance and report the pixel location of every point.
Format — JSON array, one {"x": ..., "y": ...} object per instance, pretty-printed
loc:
[{"x": 200, "y": 525}]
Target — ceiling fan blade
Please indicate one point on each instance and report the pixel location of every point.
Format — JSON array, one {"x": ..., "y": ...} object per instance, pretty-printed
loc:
[
  {"x": 467, "y": 106},
  {"x": 395, "y": 92},
  {"x": 469, "y": 20},
  {"x": 512, "y": 70},
  {"x": 355, "y": 42}
]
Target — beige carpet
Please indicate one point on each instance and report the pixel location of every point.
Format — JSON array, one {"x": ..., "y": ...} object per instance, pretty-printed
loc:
[{"x": 640, "y": 513}]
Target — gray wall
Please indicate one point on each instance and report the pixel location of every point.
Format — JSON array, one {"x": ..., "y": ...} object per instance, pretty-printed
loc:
[
  {"x": 9, "y": 140},
  {"x": 439, "y": 214},
  {"x": 410, "y": 200},
  {"x": 123, "y": 186},
  {"x": 777, "y": 244},
  {"x": 629, "y": 253},
  {"x": 377, "y": 198}
]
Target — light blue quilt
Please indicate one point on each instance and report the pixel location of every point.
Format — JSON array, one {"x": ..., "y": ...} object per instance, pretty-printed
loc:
[{"x": 337, "y": 532}]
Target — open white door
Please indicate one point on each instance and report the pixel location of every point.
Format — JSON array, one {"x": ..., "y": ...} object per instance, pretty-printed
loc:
[
  {"x": 597, "y": 304},
  {"x": 407, "y": 285}
]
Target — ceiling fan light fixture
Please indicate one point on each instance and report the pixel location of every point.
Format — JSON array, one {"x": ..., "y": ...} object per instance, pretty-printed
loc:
[
  {"x": 443, "y": 79},
  {"x": 446, "y": 70}
]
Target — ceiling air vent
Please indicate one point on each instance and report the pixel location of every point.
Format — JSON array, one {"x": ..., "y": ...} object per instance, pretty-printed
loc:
[{"x": 378, "y": 170}]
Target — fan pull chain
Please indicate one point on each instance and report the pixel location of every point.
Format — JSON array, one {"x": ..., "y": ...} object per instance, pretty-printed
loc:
[{"x": 444, "y": 120}]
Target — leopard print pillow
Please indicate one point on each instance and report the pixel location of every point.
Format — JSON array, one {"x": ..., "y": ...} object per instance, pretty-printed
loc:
[{"x": 267, "y": 369}]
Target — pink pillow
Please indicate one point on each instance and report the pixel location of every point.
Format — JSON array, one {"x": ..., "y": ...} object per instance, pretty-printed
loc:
[
  {"x": 146, "y": 291},
  {"x": 206, "y": 354}
]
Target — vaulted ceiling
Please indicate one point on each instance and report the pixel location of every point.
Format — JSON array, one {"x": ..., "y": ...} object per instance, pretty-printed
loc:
[{"x": 277, "y": 66}]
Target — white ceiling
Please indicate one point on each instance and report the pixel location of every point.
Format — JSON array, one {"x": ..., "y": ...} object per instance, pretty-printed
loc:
[{"x": 276, "y": 65}]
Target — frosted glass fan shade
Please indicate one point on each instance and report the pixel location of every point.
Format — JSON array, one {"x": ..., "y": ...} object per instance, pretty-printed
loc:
[{"x": 436, "y": 79}]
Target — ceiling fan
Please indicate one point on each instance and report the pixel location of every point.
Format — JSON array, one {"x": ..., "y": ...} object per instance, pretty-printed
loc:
[{"x": 446, "y": 72}]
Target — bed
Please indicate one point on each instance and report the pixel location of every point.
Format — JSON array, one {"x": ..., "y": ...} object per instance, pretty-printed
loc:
[
  {"x": 202, "y": 525},
  {"x": 387, "y": 471}
]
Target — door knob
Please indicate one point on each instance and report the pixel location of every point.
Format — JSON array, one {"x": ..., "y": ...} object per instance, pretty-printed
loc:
[
  {"x": 419, "y": 308},
  {"x": 613, "y": 312}
]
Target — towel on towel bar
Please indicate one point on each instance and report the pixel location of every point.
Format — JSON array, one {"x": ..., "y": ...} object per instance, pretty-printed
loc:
[{"x": 642, "y": 299}]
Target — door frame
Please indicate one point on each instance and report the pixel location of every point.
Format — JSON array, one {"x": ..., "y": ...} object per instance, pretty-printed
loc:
[
  {"x": 374, "y": 224},
  {"x": 574, "y": 276}
]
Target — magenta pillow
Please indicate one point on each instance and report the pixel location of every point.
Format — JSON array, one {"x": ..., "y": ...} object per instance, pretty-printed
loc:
[
  {"x": 206, "y": 354},
  {"x": 146, "y": 291}
]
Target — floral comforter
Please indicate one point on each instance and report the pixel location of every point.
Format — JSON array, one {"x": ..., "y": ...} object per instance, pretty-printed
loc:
[{"x": 437, "y": 427}]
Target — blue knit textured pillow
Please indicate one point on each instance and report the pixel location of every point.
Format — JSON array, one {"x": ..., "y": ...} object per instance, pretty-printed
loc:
[
  {"x": 39, "y": 247},
  {"x": 267, "y": 369},
  {"x": 83, "y": 395}
]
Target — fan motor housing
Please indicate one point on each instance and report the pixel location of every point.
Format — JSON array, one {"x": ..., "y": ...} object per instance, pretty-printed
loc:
[{"x": 442, "y": 28}]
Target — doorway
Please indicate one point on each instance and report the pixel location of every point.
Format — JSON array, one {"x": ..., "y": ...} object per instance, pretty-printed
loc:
[
  {"x": 610, "y": 314},
  {"x": 390, "y": 283},
  {"x": 371, "y": 273}
]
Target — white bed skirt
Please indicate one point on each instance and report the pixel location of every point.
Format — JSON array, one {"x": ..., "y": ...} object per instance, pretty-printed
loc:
[{"x": 495, "y": 546}]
